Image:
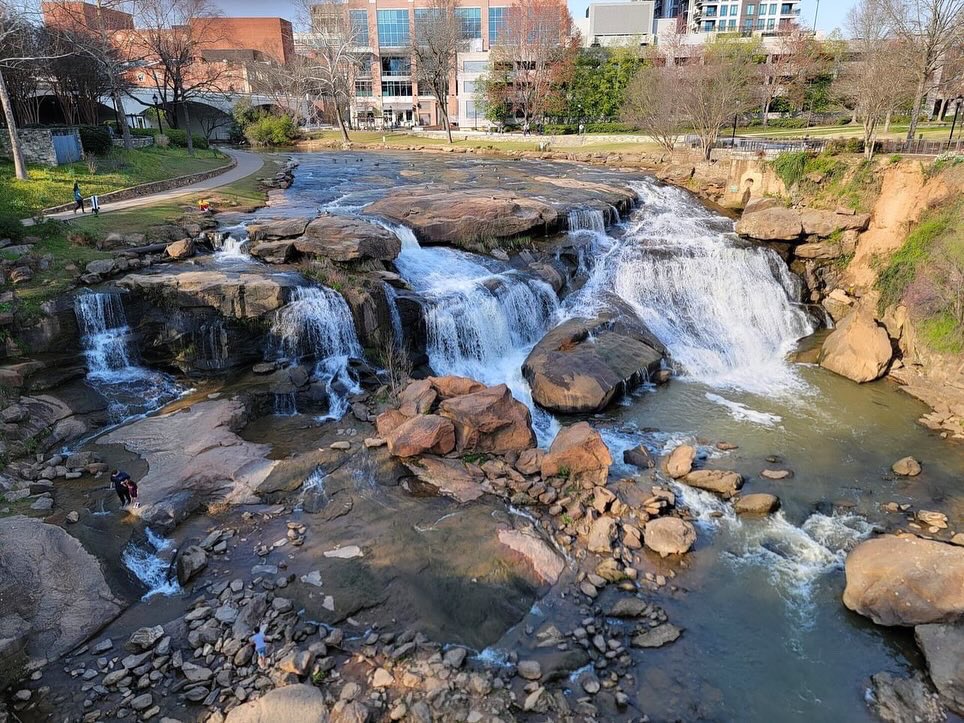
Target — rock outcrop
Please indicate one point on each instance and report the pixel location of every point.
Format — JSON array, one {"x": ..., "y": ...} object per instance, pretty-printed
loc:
[
  {"x": 466, "y": 215},
  {"x": 489, "y": 420},
  {"x": 194, "y": 458},
  {"x": 299, "y": 703},
  {"x": 579, "y": 453},
  {"x": 859, "y": 348},
  {"x": 943, "y": 648},
  {"x": 770, "y": 222},
  {"x": 905, "y": 580},
  {"x": 669, "y": 535},
  {"x": 583, "y": 364},
  {"x": 422, "y": 434},
  {"x": 53, "y": 594}
]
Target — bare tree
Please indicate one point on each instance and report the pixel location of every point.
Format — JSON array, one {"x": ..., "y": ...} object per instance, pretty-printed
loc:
[
  {"x": 287, "y": 85},
  {"x": 876, "y": 82},
  {"x": 532, "y": 59},
  {"x": 717, "y": 85},
  {"x": 333, "y": 55},
  {"x": 653, "y": 102},
  {"x": 172, "y": 36},
  {"x": 77, "y": 78},
  {"x": 435, "y": 48},
  {"x": 927, "y": 29}
]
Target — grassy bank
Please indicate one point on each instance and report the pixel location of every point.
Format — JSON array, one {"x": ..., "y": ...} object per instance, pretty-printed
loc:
[
  {"x": 829, "y": 180},
  {"x": 49, "y": 187}
]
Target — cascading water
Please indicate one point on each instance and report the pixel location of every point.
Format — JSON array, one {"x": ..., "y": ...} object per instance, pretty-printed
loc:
[
  {"x": 481, "y": 317},
  {"x": 316, "y": 325},
  {"x": 210, "y": 342},
  {"x": 231, "y": 248},
  {"x": 726, "y": 312},
  {"x": 112, "y": 367},
  {"x": 391, "y": 298},
  {"x": 586, "y": 219},
  {"x": 149, "y": 565}
]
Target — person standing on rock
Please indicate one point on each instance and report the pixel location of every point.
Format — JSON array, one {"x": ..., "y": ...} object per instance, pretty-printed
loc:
[
  {"x": 119, "y": 480},
  {"x": 131, "y": 486},
  {"x": 261, "y": 646},
  {"x": 78, "y": 199}
]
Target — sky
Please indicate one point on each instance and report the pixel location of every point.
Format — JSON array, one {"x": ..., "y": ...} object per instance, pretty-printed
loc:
[{"x": 832, "y": 13}]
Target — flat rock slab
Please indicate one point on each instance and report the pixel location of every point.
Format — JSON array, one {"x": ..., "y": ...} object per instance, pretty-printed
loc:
[
  {"x": 448, "y": 476},
  {"x": 544, "y": 560},
  {"x": 194, "y": 457}
]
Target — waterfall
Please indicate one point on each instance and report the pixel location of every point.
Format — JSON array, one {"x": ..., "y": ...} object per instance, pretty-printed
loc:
[
  {"x": 317, "y": 325},
  {"x": 726, "y": 311},
  {"x": 112, "y": 358},
  {"x": 391, "y": 300},
  {"x": 482, "y": 317},
  {"x": 229, "y": 247},
  {"x": 150, "y": 568},
  {"x": 586, "y": 219}
]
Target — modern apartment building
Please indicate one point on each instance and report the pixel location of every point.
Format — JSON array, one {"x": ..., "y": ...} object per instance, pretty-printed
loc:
[
  {"x": 745, "y": 16},
  {"x": 387, "y": 92}
]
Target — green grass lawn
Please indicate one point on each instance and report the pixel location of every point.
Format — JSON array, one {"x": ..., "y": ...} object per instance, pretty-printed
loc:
[
  {"x": 49, "y": 187},
  {"x": 930, "y": 131}
]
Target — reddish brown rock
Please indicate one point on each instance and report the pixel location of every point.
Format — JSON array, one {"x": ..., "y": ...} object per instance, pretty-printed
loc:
[
  {"x": 389, "y": 421},
  {"x": 417, "y": 398},
  {"x": 454, "y": 386},
  {"x": 724, "y": 483},
  {"x": 347, "y": 238},
  {"x": 489, "y": 421},
  {"x": 579, "y": 451},
  {"x": 426, "y": 433},
  {"x": 680, "y": 461},
  {"x": 530, "y": 461},
  {"x": 448, "y": 476}
]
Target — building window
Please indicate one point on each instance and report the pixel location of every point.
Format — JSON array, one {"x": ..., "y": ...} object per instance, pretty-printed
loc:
[
  {"x": 393, "y": 28},
  {"x": 771, "y": 23},
  {"x": 396, "y": 88},
  {"x": 396, "y": 66},
  {"x": 475, "y": 66},
  {"x": 773, "y": 8},
  {"x": 786, "y": 9},
  {"x": 359, "y": 26},
  {"x": 468, "y": 86},
  {"x": 470, "y": 20},
  {"x": 750, "y": 9},
  {"x": 710, "y": 12},
  {"x": 496, "y": 22},
  {"x": 363, "y": 88},
  {"x": 748, "y": 24},
  {"x": 709, "y": 26}
]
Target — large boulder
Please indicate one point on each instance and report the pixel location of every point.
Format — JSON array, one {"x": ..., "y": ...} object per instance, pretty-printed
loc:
[
  {"x": 826, "y": 223},
  {"x": 545, "y": 561},
  {"x": 859, "y": 348},
  {"x": 454, "y": 386},
  {"x": 424, "y": 433},
  {"x": 719, "y": 481},
  {"x": 579, "y": 452},
  {"x": 583, "y": 364},
  {"x": 438, "y": 215},
  {"x": 448, "y": 477},
  {"x": 53, "y": 594},
  {"x": 489, "y": 420},
  {"x": 241, "y": 296},
  {"x": 273, "y": 229},
  {"x": 680, "y": 461},
  {"x": 190, "y": 561},
  {"x": 669, "y": 535},
  {"x": 194, "y": 458},
  {"x": 904, "y": 700},
  {"x": 300, "y": 703},
  {"x": 347, "y": 238},
  {"x": 943, "y": 648},
  {"x": 273, "y": 252},
  {"x": 774, "y": 223},
  {"x": 905, "y": 580}
]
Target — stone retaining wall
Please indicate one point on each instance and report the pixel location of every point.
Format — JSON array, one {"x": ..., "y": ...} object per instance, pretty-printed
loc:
[
  {"x": 138, "y": 141},
  {"x": 37, "y": 144},
  {"x": 146, "y": 189}
]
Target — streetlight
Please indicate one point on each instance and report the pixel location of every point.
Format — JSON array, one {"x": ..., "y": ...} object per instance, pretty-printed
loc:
[
  {"x": 160, "y": 123},
  {"x": 958, "y": 100}
]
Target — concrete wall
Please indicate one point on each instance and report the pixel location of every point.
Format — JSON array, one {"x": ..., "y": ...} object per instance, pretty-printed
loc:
[{"x": 37, "y": 144}]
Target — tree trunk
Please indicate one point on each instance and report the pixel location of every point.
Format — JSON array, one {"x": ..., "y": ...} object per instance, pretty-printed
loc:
[
  {"x": 341, "y": 123},
  {"x": 445, "y": 120},
  {"x": 187, "y": 127},
  {"x": 122, "y": 120},
  {"x": 16, "y": 151},
  {"x": 870, "y": 138},
  {"x": 887, "y": 122},
  {"x": 918, "y": 104}
]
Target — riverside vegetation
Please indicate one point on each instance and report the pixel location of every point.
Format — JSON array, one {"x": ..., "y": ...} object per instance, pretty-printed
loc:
[{"x": 482, "y": 438}]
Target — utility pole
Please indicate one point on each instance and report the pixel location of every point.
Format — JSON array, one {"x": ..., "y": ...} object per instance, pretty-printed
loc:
[{"x": 816, "y": 14}]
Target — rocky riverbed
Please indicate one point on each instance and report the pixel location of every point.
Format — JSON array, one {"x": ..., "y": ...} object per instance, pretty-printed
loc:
[{"x": 477, "y": 441}]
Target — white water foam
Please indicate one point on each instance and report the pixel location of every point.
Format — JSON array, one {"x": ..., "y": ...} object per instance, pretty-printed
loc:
[
  {"x": 149, "y": 568},
  {"x": 743, "y": 413},
  {"x": 230, "y": 247},
  {"x": 795, "y": 558}
]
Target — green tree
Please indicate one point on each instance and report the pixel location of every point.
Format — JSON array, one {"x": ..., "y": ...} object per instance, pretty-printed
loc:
[{"x": 598, "y": 87}]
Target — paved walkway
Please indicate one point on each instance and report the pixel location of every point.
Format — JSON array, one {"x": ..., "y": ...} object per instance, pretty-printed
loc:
[{"x": 248, "y": 163}]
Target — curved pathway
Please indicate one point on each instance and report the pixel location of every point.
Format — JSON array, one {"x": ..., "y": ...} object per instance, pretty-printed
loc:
[{"x": 247, "y": 163}]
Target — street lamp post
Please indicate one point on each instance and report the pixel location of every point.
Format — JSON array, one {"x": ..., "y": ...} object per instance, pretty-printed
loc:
[{"x": 957, "y": 109}]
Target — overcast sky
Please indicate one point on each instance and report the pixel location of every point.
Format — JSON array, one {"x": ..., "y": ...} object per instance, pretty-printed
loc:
[{"x": 832, "y": 12}]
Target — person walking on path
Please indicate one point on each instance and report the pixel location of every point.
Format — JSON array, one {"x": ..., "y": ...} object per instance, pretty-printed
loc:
[
  {"x": 119, "y": 481},
  {"x": 78, "y": 199}
]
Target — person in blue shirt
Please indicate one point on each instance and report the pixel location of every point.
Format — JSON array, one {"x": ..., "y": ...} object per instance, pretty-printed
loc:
[
  {"x": 119, "y": 480},
  {"x": 78, "y": 199},
  {"x": 261, "y": 647}
]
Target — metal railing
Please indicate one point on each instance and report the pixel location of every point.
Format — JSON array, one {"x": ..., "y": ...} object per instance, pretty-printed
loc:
[{"x": 919, "y": 147}]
